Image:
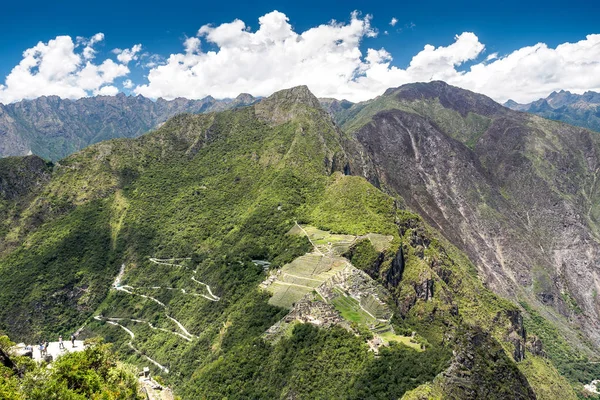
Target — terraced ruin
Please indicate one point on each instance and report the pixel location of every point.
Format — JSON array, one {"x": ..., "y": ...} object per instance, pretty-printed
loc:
[{"x": 325, "y": 289}]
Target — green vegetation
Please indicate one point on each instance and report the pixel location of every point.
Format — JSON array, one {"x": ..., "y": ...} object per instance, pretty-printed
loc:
[
  {"x": 90, "y": 374},
  {"x": 573, "y": 365},
  {"x": 222, "y": 190},
  {"x": 302, "y": 276},
  {"x": 351, "y": 310},
  {"x": 466, "y": 129},
  {"x": 399, "y": 369},
  {"x": 364, "y": 255}
]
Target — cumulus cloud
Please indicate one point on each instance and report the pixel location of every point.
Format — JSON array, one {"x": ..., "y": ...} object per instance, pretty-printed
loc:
[
  {"x": 88, "y": 50},
  {"x": 64, "y": 68},
  {"x": 394, "y": 21},
  {"x": 492, "y": 56},
  {"x": 230, "y": 58},
  {"x": 127, "y": 55},
  {"x": 325, "y": 57},
  {"x": 329, "y": 60},
  {"x": 535, "y": 71}
]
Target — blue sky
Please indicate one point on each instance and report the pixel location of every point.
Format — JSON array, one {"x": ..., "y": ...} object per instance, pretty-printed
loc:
[{"x": 502, "y": 27}]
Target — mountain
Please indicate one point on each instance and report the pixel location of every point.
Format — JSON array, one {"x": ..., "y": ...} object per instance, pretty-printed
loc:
[
  {"x": 575, "y": 109},
  {"x": 53, "y": 128},
  {"x": 516, "y": 192},
  {"x": 334, "y": 106},
  {"x": 268, "y": 252}
]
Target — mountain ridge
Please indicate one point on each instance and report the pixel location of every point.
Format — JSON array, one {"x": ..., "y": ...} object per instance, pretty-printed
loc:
[
  {"x": 53, "y": 128},
  {"x": 575, "y": 109}
]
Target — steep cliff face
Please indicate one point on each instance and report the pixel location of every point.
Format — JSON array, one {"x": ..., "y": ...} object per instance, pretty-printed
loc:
[
  {"x": 438, "y": 294},
  {"x": 481, "y": 370},
  {"x": 516, "y": 192},
  {"x": 53, "y": 128}
]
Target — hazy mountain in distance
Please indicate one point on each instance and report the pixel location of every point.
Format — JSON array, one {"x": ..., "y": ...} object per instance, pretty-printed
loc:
[
  {"x": 53, "y": 128},
  {"x": 574, "y": 109}
]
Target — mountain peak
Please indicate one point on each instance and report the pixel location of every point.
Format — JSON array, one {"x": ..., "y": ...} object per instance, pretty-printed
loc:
[
  {"x": 295, "y": 95},
  {"x": 283, "y": 105},
  {"x": 461, "y": 100},
  {"x": 246, "y": 97}
]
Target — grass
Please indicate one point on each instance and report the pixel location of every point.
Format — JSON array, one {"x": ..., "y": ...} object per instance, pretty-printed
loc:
[
  {"x": 285, "y": 295},
  {"x": 301, "y": 276},
  {"x": 351, "y": 310},
  {"x": 390, "y": 336},
  {"x": 380, "y": 242}
]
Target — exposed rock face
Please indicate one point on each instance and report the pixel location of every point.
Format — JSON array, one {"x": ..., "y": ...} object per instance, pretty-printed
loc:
[
  {"x": 516, "y": 192},
  {"x": 481, "y": 370},
  {"x": 394, "y": 274},
  {"x": 8, "y": 363},
  {"x": 575, "y": 109},
  {"x": 54, "y": 128},
  {"x": 534, "y": 345}
]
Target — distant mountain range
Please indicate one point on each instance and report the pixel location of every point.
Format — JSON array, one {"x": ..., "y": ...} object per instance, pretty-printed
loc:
[
  {"x": 53, "y": 128},
  {"x": 575, "y": 109}
]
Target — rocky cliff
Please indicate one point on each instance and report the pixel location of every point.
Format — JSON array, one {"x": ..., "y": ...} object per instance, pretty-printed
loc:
[{"x": 516, "y": 192}]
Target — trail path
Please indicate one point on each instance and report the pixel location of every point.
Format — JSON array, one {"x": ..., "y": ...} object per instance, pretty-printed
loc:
[
  {"x": 187, "y": 336},
  {"x": 308, "y": 237},
  {"x": 184, "y": 334},
  {"x": 293, "y": 284},
  {"x": 302, "y": 277},
  {"x": 109, "y": 321}
]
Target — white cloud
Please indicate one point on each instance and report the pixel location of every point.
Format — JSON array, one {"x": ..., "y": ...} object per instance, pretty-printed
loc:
[
  {"x": 88, "y": 51},
  {"x": 60, "y": 67},
  {"x": 127, "y": 55},
  {"x": 394, "y": 21},
  {"x": 491, "y": 57},
  {"x": 535, "y": 71},
  {"x": 274, "y": 56},
  {"x": 108, "y": 90},
  {"x": 328, "y": 59},
  {"x": 191, "y": 45}
]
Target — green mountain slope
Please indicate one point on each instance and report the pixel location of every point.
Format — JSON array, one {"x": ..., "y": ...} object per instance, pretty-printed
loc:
[
  {"x": 514, "y": 191},
  {"x": 160, "y": 244}
]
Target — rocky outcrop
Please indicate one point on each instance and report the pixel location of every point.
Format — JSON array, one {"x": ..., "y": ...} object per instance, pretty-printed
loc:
[
  {"x": 481, "y": 370},
  {"x": 7, "y": 362},
  {"x": 393, "y": 275},
  {"x": 534, "y": 346}
]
